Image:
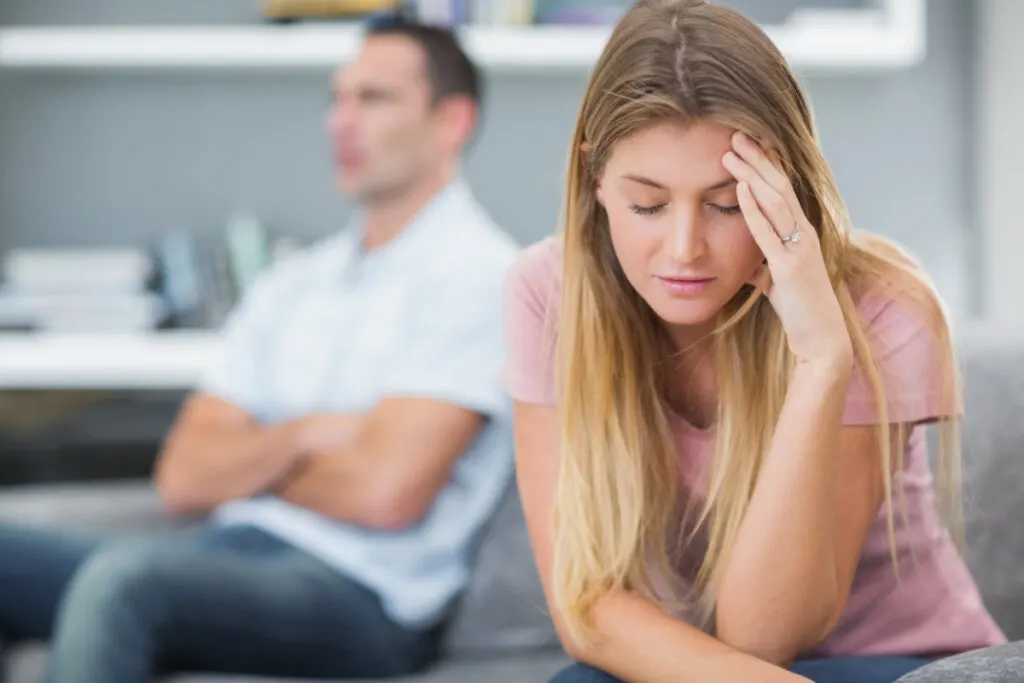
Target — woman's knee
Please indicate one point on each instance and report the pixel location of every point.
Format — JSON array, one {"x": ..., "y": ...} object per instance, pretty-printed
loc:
[{"x": 583, "y": 673}]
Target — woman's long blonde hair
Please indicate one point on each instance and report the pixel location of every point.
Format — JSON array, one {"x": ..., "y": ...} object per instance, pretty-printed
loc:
[{"x": 618, "y": 504}]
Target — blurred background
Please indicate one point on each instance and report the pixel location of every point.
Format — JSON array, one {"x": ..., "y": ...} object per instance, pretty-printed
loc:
[{"x": 155, "y": 155}]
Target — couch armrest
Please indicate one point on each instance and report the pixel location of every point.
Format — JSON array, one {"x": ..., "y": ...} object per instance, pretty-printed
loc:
[
  {"x": 118, "y": 507},
  {"x": 1002, "y": 664},
  {"x": 992, "y": 359}
]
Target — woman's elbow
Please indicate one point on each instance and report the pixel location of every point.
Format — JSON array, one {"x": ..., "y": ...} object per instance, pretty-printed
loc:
[
  {"x": 589, "y": 653},
  {"x": 769, "y": 647},
  {"x": 774, "y": 641},
  {"x": 595, "y": 644},
  {"x": 582, "y": 651}
]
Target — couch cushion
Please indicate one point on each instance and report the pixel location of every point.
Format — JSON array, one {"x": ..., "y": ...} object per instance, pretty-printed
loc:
[
  {"x": 26, "y": 665},
  {"x": 1003, "y": 664},
  {"x": 993, "y": 369},
  {"x": 503, "y": 608}
]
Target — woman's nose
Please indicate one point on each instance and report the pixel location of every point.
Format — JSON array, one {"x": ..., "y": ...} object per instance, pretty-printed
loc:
[{"x": 686, "y": 241}]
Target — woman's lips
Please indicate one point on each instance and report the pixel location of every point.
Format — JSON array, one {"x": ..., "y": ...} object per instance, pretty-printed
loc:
[{"x": 685, "y": 286}]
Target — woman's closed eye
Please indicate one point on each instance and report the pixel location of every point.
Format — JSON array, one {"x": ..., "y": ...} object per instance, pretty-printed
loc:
[
  {"x": 651, "y": 209},
  {"x": 646, "y": 210},
  {"x": 726, "y": 210}
]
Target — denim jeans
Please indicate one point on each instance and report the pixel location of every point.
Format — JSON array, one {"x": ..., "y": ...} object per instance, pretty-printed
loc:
[
  {"x": 216, "y": 599},
  {"x": 835, "y": 670}
]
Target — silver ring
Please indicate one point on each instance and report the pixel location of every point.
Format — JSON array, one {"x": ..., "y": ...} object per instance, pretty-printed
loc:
[{"x": 793, "y": 237}]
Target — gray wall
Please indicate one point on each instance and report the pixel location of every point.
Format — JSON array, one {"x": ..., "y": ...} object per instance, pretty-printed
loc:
[
  {"x": 1000, "y": 149},
  {"x": 103, "y": 158}
]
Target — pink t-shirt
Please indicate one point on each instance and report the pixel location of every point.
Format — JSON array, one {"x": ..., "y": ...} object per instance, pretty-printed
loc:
[{"x": 934, "y": 607}]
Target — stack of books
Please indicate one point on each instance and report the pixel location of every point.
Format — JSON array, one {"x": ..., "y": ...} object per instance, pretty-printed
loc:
[
  {"x": 88, "y": 289},
  {"x": 181, "y": 280}
]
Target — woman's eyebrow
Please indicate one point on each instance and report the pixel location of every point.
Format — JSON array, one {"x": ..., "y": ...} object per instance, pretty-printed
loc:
[{"x": 643, "y": 180}]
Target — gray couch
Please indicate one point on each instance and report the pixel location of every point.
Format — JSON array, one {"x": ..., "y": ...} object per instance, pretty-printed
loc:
[{"x": 501, "y": 632}]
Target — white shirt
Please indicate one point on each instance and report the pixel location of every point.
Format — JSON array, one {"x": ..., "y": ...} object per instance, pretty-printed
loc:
[{"x": 337, "y": 328}]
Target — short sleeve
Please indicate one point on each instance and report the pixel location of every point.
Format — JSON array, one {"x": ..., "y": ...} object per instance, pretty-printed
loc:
[
  {"x": 234, "y": 373},
  {"x": 530, "y": 309},
  {"x": 454, "y": 349},
  {"x": 911, "y": 367}
]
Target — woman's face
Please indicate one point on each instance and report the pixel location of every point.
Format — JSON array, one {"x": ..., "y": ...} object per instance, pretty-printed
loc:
[{"x": 675, "y": 221}]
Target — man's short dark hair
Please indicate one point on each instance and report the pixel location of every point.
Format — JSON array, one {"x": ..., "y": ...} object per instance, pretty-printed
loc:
[{"x": 449, "y": 68}]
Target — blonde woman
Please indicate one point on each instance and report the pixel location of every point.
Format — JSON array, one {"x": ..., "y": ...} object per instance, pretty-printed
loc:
[{"x": 721, "y": 388}]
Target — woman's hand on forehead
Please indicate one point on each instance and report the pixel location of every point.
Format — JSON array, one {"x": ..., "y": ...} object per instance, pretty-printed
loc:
[{"x": 795, "y": 278}]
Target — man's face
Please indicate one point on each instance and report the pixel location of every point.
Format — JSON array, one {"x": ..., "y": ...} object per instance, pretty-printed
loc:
[{"x": 382, "y": 122}]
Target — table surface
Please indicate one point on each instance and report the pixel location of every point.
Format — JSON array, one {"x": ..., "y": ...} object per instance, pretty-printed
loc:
[{"x": 152, "y": 360}]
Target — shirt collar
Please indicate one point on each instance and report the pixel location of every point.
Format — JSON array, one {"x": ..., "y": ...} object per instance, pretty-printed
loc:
[{"x": 454, "y": 197}]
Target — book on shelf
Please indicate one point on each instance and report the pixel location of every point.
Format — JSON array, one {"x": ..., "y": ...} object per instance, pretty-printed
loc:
[
  {"x": 203, "y": 278},
  {"x": 292, "y": 10},
  {"x": 437, "y": 12}
]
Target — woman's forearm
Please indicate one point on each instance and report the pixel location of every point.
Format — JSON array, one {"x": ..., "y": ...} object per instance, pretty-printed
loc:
[
  {"x": 640, "y": 642},
  {"x": 779, "y": 589}
]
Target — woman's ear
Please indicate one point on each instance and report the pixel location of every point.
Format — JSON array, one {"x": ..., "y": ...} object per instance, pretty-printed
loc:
[
  {"x": 584, "y": 160},
  {"x": 761, "y": 278}
]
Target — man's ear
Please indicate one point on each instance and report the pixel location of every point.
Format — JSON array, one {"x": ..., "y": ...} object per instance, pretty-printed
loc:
[{"x": 460, "y": 116}]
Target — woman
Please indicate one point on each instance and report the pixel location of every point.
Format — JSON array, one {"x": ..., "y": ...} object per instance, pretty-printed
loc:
[{"x": 721, "y": 388}]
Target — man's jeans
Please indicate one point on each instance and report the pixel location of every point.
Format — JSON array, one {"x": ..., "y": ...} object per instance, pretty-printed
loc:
[{"x": 233, "y": 600}]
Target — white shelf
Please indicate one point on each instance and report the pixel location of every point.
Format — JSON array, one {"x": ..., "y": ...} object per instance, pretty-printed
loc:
[
  {"x": 158, "y": 360},
  {"x": 265, "y": 47},
  {"x": 891, "y": 36}
]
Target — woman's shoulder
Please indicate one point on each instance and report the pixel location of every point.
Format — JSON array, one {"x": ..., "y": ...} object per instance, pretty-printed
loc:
[
  {"x": 897, "y": 307},
  {"x": 892, "y": 290},
  {"x": 532, "y": 294},
  {"x": 535, "y": 278},
  {"x": 908, "y": 337},
  {"x": 541, "y": 262}
]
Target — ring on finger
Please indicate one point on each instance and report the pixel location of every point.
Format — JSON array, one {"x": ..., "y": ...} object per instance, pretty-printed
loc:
[{"x": 793, "y": 237}]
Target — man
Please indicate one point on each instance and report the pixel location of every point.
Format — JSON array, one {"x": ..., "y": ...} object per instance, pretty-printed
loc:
[{"x": 350, "y": 440}]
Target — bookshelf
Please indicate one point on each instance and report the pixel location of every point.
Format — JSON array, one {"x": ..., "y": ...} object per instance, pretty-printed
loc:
[
  {"x": 157, "y": 360},
  {"x": 888, "y": 36}
]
